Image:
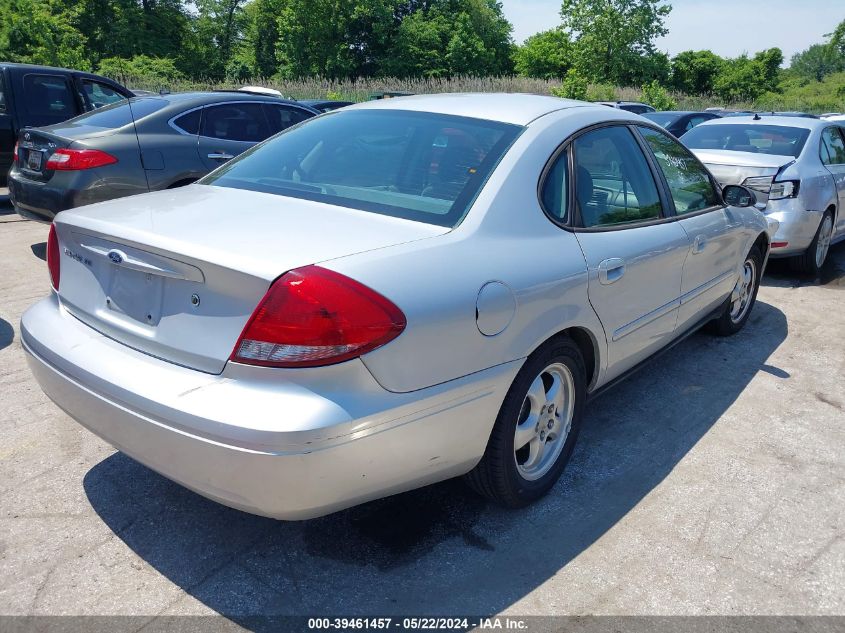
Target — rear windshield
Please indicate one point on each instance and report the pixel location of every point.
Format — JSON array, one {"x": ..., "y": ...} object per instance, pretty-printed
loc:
[
  {"x": 119, "y": 114},
  {"x": 418, "y": 166},
  {"x": 778, "y": 140},
  {"x": 662, "y": 118}
]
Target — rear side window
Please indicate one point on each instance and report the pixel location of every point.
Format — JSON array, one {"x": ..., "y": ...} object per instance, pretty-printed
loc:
[
  {"x": 833, "y": 148},
  {"x": 778, "y": 140},
  {"x": 555, "y": 188},
  {"x": 689, "y": 183},
  {"x": 2, "y": 94},
  {"x": 49, "y": 96},
  {"x": 236, "y": 122},
  {"x": 613, "y": 182},
  {"x": 189, "y": 122},
  {"x": 282, "y": 117}
]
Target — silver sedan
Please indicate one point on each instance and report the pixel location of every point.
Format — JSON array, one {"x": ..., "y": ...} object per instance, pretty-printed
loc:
[
  {"x": 795, "y": 166},
  {"x": 389, "y": 295}
]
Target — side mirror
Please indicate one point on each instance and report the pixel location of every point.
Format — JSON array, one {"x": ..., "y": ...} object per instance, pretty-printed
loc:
[{"x": 738, "y": 196}]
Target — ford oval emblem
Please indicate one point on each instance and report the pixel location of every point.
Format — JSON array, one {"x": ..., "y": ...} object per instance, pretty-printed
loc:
[{"x": 116, "y": 257}]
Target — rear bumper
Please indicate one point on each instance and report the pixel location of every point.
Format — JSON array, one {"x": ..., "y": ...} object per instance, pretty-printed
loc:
[
  {"x": 797, "y": 228},
  {"x": 288, "y": 444},
  {"x": 41, "y": 201}
]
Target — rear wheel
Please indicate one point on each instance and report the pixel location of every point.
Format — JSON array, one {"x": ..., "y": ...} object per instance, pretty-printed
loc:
[
  {"x": 536, "y": 429},
  {"x": 812, "y": 260},
  {"x": 738, "y": 305}
]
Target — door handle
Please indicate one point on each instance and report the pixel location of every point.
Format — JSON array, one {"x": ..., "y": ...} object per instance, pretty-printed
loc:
[
  {"x": 611, "y": 270},
  {"x": 220, "y": 156},
  {"x": 699, "y": 244}
]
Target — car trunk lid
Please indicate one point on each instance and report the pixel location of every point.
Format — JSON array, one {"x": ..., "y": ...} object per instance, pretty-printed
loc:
[
  {"x": 178, "y": 273},
  {"x": 34, "y": 149},
  {"x": 734, "y": 168}
]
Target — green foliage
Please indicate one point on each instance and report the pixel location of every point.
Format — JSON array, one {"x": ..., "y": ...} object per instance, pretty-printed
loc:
[
  {"x": 601, "y": 92},
  {"x": 614, "y": 39},
  {"x": 745, "y": 79},
  {"x": 657, "y": 97},
  {"x": 546, "y": 55},
  {"x": 817, "y": 62},
  {"x": 41, "y": 32},
  {"x": 574, "y": 86},
  {"x": 694, "y": 72},
  {"x": 451, "y": 37},
  {"x": 159, "y": 70}
]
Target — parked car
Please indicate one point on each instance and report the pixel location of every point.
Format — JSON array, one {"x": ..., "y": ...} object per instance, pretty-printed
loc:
[
  {"x": 43, "y": 95},
  {"x": 679, "y": 122},
  {"x": 630, "y": 106},
  {"x": 325, "y": 105},
  {"x": 367, "y": 303},
  {"x": 795, "y": 166},
  {"x": 144, "y": 144}
]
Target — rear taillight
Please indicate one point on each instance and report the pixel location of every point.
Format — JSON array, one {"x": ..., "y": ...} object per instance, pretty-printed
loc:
[
  {"x": 312, "y": 316},
  {"x": 15, "y": 152},
  {"x": 75, "y": 159},
  {"x": 53, "y": 257}
]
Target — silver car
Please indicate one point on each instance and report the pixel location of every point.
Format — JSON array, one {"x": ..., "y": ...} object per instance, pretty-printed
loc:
[
  {"x": 795, "y": 166},
  {"x": 389, "y": 295}
]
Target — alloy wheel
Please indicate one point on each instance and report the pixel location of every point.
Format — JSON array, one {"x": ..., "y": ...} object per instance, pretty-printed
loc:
[
  {"x": 743, "y": 291},
  {"x": 545, "y": 421}
]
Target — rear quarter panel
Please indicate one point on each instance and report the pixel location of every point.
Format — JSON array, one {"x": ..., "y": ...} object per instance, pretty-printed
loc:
[
  {"x": 178, "y": 153},
  {"x": 506, "y": 238}
]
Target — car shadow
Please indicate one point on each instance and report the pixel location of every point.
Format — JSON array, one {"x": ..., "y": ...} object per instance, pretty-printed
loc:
[
  {"x": 39, "y": 250},
  {"x": 440, "y": 549},
  {"x": 779, "y": 273},
  {"x": 7, "y": 334}
]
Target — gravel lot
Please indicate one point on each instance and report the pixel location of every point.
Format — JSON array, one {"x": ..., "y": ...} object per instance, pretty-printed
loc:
[{"x": 710, "y": 483}]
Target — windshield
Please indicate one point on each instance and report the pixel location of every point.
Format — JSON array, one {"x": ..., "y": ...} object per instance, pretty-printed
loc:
[
  {"x": 413, "y": 165},
  {"x": 777, "y": 140},
  {"x": 662, "y": 119},
  {"x": 119, "y": 114}
]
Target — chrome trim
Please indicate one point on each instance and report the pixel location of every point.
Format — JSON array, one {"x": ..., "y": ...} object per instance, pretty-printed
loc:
[{"x": 692, "y": 294}]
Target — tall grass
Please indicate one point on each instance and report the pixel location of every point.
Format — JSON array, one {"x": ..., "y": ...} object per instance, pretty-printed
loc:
[{"x": 363, "y": 88}]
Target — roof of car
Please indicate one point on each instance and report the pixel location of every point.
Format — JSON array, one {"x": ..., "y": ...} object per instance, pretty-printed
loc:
[
  {"x": 202, "y": 98},
  {"x": 518, "y": 109},
  {"x": 764, "y": 119}
]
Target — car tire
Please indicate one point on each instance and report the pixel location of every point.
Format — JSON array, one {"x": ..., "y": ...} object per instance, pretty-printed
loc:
[
  {"x": 812, "y": 260},
  {"x": 739, "y": 304},
  {"x": 515, "y": 476}
]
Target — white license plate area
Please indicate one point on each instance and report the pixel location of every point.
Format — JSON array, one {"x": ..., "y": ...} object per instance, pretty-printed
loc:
[
  {"x": 135, "y": 295},
  {"x": 33, "y": 159}
]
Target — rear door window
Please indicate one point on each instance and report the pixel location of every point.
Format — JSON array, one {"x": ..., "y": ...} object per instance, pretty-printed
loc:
[
  {"x": 236, "y": 122},
  {"x": 49, "y": 98},
  {"x": 833, "y": 147},
  {"x": 282, "y": 117}
]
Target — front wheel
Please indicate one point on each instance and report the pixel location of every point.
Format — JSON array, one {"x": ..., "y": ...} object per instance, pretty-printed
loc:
[
  {"x": 536, "y": 428},
  {"x": 812, "y": 260},
  {"x": 738, "y": 305}
]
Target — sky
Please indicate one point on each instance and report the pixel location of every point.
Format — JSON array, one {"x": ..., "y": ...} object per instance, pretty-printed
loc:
[{"x": 726, "y": 27}]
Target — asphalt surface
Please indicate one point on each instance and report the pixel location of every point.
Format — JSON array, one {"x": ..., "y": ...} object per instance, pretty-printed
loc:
[{"x": 712, "y": 482}]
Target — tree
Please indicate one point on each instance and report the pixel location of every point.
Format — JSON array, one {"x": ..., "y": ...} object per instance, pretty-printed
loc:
[
  {"x": 41, "y": 32},
  {"x": 694, "y": 72},
  {"x": 657, "y": 97},
  {"x": 545, "y": 55},
  {"x": 574, "y": 86},
  {"x": 451, "y": 37},
  {"x": 613, "y": 37},
  {"x": 817, "y": 62}
]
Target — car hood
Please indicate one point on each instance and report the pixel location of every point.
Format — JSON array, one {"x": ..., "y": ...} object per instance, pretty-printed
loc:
[
  {"x": 744, "y": 159},
  {"x": 260, "y": 234}
]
